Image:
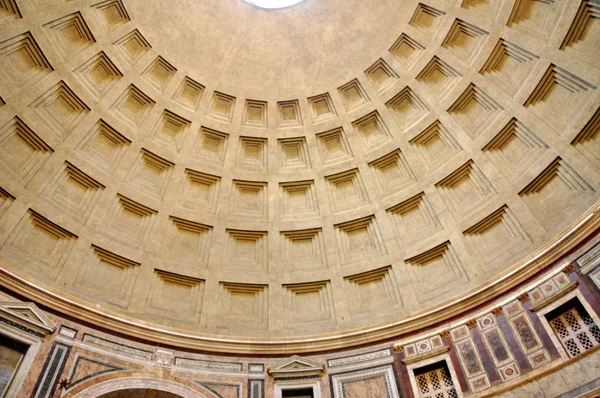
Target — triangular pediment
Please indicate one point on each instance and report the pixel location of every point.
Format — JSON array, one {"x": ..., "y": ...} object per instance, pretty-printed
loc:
[
  {"x": 28, "y": 316},
  {"x": 296, "y": 366},
  {"x": 27, "y": 313}
]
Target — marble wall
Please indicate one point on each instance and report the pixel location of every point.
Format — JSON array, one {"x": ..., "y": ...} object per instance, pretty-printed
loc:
[{"x": 505, "y": 347}]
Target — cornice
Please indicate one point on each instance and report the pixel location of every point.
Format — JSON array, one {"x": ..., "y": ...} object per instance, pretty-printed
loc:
[
  {"x": 572, "y": 286},
  {"x": 422, "y": 357}
]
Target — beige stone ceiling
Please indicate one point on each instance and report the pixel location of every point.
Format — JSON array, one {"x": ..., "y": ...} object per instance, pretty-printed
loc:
[
  {"x": 273, "y": 53},
  {"x": 221, "y": 170}
]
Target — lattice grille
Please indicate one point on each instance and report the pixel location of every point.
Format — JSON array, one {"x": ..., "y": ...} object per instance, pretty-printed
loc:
[
  {"x": 576, "y": 331},
  {"x": 436, "y": 383}
]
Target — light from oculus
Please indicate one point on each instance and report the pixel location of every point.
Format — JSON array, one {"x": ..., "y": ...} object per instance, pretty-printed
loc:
[{"x": 273, "y": 3}]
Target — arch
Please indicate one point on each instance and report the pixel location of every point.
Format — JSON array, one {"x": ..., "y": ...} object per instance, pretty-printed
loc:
[
  {"x": 139, "y": 393},
  {"x": 99, "y": 386}
]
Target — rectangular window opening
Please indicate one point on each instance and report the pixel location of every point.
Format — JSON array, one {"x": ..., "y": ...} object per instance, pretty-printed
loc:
[
  {"x": 574, "y": 327},
  {"x": 298, "y": 393},
  {"x": 11, "y": 354},
  {"x": 435, "y": 381}
]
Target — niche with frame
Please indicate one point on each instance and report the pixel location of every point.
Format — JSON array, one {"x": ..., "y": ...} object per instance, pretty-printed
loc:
[{"x": 574, "y": 327}]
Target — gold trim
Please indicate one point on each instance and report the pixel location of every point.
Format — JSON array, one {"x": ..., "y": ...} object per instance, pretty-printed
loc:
[
  {"x": 159, "y": 334},
  {"x": 591, "y": 394},
  {"x": 569, "y": 269}
]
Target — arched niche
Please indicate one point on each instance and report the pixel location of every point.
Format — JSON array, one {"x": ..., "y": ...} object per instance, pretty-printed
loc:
[{"x": 134, "y": 386}]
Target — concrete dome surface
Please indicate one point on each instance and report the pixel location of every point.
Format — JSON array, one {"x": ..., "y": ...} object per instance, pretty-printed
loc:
[{"x": 216, "y": 174}]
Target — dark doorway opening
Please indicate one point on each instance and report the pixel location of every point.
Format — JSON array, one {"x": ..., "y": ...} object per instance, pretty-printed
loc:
[
  {"x": 139, "y": 393},
  {"x": 298, "y": 393}
]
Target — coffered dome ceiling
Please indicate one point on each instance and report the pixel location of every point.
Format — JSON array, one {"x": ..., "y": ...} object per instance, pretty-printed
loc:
[{"x": 215, "y": 175}]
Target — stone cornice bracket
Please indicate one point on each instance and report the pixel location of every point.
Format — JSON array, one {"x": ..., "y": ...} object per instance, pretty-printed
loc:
[
  {"x": 569, "y": 269},
  {"x": 163, "y": 358},
  {"x": 523, "y": 297},
  {"x": 27, "y": 317},
  {"x": 296, "y": 367}
]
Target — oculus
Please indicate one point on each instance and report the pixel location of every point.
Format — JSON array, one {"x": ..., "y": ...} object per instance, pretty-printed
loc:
[{"x": 273, "y": 3}]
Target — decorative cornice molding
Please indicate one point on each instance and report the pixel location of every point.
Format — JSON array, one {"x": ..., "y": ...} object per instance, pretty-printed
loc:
[
  {"x": 571, "y": 286},
  {"x": 426, "y": 355},
  {"x": 296, "y": 367}
]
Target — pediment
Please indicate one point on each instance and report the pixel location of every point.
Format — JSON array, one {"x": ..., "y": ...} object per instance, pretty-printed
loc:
[
  {"x": 26, "y": 316},
  {"x": 296, "y": 367}
]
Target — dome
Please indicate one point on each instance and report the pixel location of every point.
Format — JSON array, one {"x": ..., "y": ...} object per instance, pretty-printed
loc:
[{"x": 215, "y": 175}]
